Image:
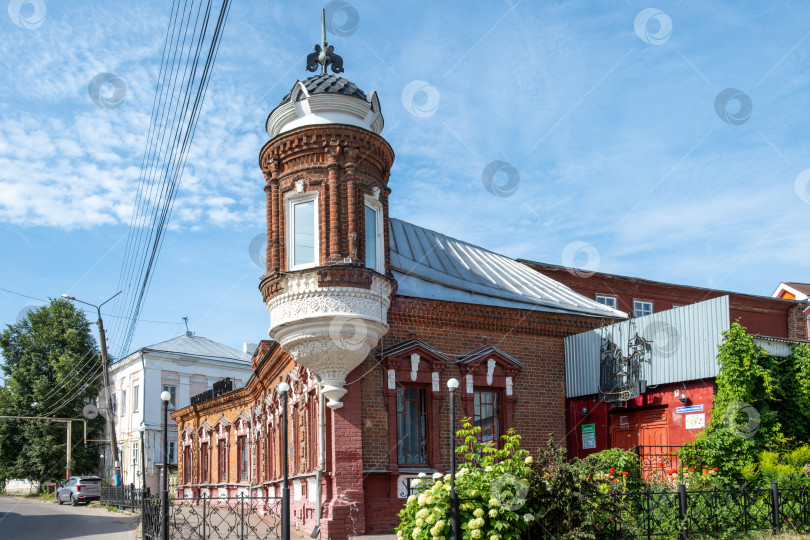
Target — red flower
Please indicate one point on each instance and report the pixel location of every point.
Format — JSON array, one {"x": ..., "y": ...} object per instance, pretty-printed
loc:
[
  {"x": 661, "y": 465},
  {"x": 714, "y": 469},
  {"x": 691, "y": 469},
  {"x": 705, "y": 471},
  {"x": 612, "y": 470},
  {"x": 647, "y": 467},
  {"x": 625, "y": 473},
  {"x": 614, "y": 480}
]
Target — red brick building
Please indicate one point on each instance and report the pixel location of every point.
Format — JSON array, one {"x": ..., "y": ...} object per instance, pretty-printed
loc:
[
  {"x": 652, "y": 419},
  {"x": 370, "y": 317}
]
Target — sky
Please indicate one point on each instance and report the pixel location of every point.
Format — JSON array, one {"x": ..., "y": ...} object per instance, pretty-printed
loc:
[{"x": 667, "y": 141}]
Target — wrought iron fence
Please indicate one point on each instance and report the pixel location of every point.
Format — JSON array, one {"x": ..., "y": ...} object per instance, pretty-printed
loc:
[
  {"x": 695, "y": 513},
  {"x": 657, "y": 461},
  {"x": 204, "y": 518},
  {"x": 128, "y": 497}
]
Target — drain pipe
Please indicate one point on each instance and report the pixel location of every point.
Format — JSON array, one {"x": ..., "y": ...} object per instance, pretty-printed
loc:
[{"x": 321, "y": 458}]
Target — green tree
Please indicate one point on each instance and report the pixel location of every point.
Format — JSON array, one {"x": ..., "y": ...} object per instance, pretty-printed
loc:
[
  {"x": 762, "y": 404},
  {"x": 51, "y": 369}
]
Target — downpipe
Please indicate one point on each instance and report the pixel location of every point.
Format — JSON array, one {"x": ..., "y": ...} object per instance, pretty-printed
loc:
[{"x": 321, "y": 458}]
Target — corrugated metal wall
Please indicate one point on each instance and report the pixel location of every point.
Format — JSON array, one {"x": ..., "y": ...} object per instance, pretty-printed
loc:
[
  {"x": 684, "y": 346},
  {"x": 775, "y": 347}
]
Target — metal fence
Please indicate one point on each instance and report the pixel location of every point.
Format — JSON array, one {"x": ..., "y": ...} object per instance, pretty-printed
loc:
[
  {"x": 204, "y": 518},
  {"x": 696, "y": 513},
  {"x": 128, "y": 497}
]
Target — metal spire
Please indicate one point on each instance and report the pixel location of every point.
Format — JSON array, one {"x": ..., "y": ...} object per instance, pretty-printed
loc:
[{"x": 324, "y": 54}]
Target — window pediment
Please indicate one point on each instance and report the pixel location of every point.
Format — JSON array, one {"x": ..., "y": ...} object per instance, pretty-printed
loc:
[
  {"x": 401, "y": 356},
  {"x": 488, "y": 360}
]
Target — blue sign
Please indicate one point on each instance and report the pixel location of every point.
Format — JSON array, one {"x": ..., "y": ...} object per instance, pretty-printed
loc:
[{"x": 691, "y": 408}]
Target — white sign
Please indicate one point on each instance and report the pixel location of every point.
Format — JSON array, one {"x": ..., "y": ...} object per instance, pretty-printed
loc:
[{"x": 695, "y": 421}]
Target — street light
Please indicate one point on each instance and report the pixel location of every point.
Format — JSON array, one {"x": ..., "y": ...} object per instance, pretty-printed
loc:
[
  {"x": 284, "y": 388},
  {"x": 164, "y": 486},
  {"x": 103, "y": 343},
  {"x": 455, "y": 529},
  {"x": 142, "y": 429}
]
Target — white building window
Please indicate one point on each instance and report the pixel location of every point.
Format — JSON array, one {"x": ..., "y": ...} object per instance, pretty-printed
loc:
[
  {"x": 302, "y": 231},
  {"x": 375, "y": 256},
  {"x": 135, "y": 397},
  {"x": 123, "y": 402},
  {"x": 609, "y": 301},
  {"x": 136, "y": 456},
  {"x": 172, "y": 453},
  {"x": 173, "y": 391},
  {"x": 641, "y": 308}
]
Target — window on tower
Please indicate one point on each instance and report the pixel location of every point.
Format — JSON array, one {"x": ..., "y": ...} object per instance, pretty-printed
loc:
[
  {"x": 374, "y": 235},
  {"x": 303, "y": 228}
]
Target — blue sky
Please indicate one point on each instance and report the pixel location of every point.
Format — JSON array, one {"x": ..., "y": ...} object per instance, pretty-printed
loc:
[{"x": 625, "y": 154}]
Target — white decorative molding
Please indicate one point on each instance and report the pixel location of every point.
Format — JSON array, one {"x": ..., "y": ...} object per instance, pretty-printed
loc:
[
  {"x": 329, "y": 330},
  {"x": 469, "y": 383},
  {"x": 299, "y": 186},
  {"x": 312, "y": 488},
  {"x": 509, "y": 386},
  {"x": 375, "y": 192},
  {"x": 435, "y": 381},
  {"x": 242, "y": 492},
  {"x": 222, "y": 493},
  {"x": 392, "y": 379},
  {"x": 324, "y": 108},
  {"x": 205, "y": 492},
  {"x": 490, "y": 370},
  {"x": 414, "y": 366},
  {"x": 297, "y": 490}
]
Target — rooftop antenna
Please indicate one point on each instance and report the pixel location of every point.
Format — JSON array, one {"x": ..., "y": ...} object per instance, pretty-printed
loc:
[
  {"x": 324, "y": 54},
  {"x": 185, "y": 320}
]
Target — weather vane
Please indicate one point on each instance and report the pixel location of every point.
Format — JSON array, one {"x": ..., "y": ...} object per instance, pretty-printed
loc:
[{"x": 324, "y": 54}]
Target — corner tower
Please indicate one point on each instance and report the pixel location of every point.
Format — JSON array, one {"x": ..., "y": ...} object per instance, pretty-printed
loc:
[{"x": 328, "y": 285}]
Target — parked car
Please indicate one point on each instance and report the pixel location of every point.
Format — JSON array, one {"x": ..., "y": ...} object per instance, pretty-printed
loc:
[{"x": 79, "y": 488}]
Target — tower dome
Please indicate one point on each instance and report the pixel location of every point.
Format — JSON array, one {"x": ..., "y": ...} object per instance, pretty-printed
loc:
[{"x": 325, "y": 99}]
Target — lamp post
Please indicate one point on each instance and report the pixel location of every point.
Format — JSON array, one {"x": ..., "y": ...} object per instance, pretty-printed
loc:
[
  {"x": 106, "y": 378},
  {"x": 285, "y": 490},
  {"x": 164, "y": 484},
  {"x": 455, "y": 529},
  {"x": 142, "y": 429}
]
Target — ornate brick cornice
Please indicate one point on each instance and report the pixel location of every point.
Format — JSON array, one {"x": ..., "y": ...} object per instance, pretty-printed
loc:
[{"x": 489, "y": 318}]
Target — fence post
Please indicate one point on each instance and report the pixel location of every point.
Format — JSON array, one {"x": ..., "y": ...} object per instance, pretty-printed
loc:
[
  {"x": 143, "y": 513},
  {"x": 683, "y": 509},
  {"x": 242, "y": 516},
  {"x": 775, "y": 506},
  {"x": 131, "y": 500},
  {"x": 203, "y": 517}
]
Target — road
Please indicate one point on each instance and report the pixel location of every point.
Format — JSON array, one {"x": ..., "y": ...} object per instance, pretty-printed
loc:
[{"x": 30, "y": 519}]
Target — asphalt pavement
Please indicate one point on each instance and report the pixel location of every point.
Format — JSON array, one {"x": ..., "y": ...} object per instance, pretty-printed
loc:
[{"x": 31, "y": 519}]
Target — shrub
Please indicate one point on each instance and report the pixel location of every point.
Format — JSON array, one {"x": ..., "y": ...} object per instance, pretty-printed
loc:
[
  {"x": 613, "y": 463},
  {"x": 491, "y": 486}
]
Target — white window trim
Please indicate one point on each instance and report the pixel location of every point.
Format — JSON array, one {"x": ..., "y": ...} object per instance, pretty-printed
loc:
[
  {"x": 292, "y": 199},
  {"x": 652, "y": 306},
  {"x": 375, "y": 205},
  {"x": 614, "y": 298}
]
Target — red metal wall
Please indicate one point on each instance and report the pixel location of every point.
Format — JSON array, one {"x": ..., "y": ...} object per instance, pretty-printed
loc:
[{"x": 700, "y": 392}]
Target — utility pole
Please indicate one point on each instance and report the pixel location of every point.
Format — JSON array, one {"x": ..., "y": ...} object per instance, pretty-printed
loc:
[
  {"x": 67, "y": 466},
  {"x": 106, "y": 377}
]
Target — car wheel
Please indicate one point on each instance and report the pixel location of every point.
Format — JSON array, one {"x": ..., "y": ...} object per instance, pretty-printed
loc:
[
  {"x": 59, "y": 499},
  {"x": 73, "y": 501}
]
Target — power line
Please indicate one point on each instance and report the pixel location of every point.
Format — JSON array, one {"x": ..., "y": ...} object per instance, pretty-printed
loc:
[{"x": 172, "y": 129}]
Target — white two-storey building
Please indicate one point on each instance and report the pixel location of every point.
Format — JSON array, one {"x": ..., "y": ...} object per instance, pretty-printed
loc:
[{"x": 184, "y": 366}]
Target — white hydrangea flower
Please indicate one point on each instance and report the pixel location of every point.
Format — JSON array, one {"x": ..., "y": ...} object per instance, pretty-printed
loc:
[
  {"x": 478, "y": 513},
  {"x": 437, "y": 475},
  {"x": 422, "y": 475},
  {"x": 475, "y": 534},
  {"x": 529, "y": 460},
  {"x": 528, "y": 518}
]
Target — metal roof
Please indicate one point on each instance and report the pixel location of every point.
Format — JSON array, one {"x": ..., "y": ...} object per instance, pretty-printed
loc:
[
  {"x": 326, "y": 83},
  {"x": 427, "y": 264},
  {"x": 200, "y": 347},
  {"x": 684, "y": 346}
]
